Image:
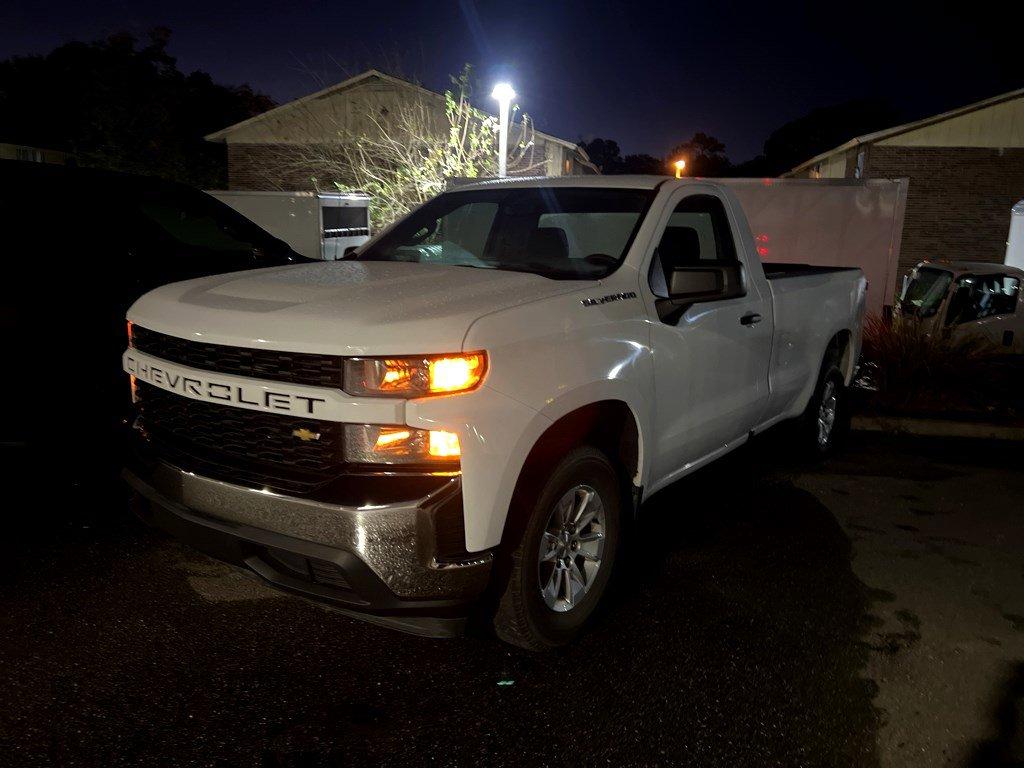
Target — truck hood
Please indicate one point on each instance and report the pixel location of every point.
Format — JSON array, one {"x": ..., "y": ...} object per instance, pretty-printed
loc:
[{"x": 341, "y": 308}]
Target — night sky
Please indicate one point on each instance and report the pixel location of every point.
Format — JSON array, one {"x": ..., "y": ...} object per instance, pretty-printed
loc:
[{"x": 645, "y": 74}]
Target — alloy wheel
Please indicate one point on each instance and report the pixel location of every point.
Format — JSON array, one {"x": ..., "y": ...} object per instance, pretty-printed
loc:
[
  {"x": 827, "y": 413},
  {"x": 571, "y": 548}
]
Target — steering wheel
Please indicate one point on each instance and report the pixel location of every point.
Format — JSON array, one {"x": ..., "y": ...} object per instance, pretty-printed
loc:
[{"x": 601, "y": 260}]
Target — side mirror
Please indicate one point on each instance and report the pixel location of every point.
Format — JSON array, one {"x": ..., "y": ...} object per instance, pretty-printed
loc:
[
  {"x": 689, "y": 285},
  {"x": 705, "y": 284}
]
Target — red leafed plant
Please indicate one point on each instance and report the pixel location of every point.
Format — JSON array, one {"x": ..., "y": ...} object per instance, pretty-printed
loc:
[{"x": 914, "y": 369}]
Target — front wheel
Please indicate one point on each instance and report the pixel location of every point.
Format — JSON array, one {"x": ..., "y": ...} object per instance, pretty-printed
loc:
[{"x": 562, "y": 564}]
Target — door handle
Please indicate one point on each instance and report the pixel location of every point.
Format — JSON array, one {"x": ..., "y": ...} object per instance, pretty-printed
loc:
[{"x": 750, "y": 319}]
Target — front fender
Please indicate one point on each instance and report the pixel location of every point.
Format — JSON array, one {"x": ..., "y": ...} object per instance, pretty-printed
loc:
[
  {"x": 546, "y": 359},
  {"x": 497, "y": 434}
]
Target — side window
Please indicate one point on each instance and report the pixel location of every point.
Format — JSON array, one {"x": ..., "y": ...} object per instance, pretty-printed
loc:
[
  {"x": 697, "y": 234},
  {"x": 344, "y": 221},
  {"x": 982, "y": 296}
]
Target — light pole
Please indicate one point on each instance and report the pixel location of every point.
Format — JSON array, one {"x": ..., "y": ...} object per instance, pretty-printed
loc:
[
  {"x": 680, "y": 165},
  {"x": 504, "y": 94}
]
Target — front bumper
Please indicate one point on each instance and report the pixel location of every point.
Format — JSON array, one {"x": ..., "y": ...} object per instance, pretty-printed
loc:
[{"x": 376, "y": 561}]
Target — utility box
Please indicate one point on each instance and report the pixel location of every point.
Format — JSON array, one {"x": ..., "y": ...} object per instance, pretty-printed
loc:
[
  {"x": 318, "y": 225},
  {"x": 1015, "y": 240},
  {"x": 834, "y": 222}
]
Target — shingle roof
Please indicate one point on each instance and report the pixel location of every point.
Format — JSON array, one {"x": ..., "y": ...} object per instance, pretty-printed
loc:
[
  {"x": 906, "y": 127},
  {"x": 222, "y": 134}
]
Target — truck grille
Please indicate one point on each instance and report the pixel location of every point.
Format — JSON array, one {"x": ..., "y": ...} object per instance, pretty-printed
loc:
[
  {"x": 240, "y": 444},
  {"x": 296, "y": 367}
]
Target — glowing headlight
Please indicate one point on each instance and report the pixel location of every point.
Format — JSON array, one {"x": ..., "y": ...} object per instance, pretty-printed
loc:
[
  {"x": 414, "y": 377},
  {"x": 386, "y": 445}
]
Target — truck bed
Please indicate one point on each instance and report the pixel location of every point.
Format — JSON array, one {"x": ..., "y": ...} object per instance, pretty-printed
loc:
[{"x": 774, "y": 270}]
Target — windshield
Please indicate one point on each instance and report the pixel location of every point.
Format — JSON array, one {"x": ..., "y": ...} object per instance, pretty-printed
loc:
[
  {"x": 194, "y": 220},
  {"x": 560, "y": 233},
  {"x": 925, "y": 292}
]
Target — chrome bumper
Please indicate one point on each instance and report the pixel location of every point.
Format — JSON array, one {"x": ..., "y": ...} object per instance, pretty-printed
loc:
[{"x": 385, "y": 555}]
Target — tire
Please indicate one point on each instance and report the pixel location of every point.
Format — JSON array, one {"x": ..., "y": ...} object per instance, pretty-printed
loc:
[
  {"x": 540, "y": 610},
  {"x": 826, "y": 419}
]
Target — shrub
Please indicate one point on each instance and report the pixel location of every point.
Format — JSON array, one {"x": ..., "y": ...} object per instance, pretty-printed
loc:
[{"x": 913, "y": 368}]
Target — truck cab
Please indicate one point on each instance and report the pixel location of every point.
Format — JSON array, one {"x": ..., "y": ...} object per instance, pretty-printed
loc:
[
  {"x": 465, "y": 416},
  {"x": 961, "y": 299}
]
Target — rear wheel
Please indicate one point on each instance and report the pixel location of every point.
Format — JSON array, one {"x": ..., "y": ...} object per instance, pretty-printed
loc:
[
  {"x": 562, "y": 563},
  {"x": 826, "y": 419}
]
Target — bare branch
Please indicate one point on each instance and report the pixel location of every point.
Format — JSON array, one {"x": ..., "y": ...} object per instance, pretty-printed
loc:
[{"x": 402, "y": 149}]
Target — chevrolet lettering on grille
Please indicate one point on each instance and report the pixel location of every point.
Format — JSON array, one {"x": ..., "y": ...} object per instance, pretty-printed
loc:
[{"x": 228, "y": 390}]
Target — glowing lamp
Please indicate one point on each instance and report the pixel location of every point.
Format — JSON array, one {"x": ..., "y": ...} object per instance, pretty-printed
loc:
[{"x": 503, "y": 92}]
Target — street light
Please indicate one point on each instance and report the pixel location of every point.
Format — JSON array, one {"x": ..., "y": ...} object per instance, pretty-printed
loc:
[
  {"x": 504, "y": 94},
  {"x": 680, "y": 165}
]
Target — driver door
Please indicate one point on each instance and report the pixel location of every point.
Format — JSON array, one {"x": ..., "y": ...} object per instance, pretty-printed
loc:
[{"x": 711, "y": 360}]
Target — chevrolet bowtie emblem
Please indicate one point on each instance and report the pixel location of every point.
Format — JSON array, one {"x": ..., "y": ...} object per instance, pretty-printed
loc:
[{"x": 306, "y": 435}]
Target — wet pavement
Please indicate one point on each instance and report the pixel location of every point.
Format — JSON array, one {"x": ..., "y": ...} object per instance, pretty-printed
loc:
[{"x": 870, "y": 610}]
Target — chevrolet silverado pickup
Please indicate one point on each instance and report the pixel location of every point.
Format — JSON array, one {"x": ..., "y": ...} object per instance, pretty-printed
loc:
[{"x": 462, "y": 418}]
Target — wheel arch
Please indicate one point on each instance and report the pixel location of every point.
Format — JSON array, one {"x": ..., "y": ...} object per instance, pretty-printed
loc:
[
  {"x": 840, "y": 349},
  {"x": 609, "y": 424}
]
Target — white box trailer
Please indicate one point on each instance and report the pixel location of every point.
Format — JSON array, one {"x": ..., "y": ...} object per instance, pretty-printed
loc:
[
  {"x": 318, "y": 225},
  {"x": 1015, "y": 240},
  {"x": 830, "y": 222}
]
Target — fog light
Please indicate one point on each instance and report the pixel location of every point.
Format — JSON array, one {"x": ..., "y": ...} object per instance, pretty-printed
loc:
[
  {"x": 444, "y": 444},
  {"x": 389, "y": 440},
  {"x": 398, "y": 445}
]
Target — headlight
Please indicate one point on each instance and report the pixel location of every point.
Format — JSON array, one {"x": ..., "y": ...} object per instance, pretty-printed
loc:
[
  {"x": 399, "y": 445},
  {"x": 414, "y": 377}
]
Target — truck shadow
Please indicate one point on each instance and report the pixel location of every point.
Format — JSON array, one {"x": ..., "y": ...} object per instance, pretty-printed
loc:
[
  {"x": 730, "y": 637},
  {"x": 740, "y": 585},
  {"x": 1007, "y": 748}
]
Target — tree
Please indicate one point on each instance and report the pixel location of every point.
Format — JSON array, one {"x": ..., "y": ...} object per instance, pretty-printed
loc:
[
  {"x": 822, "y": 129},
  {"x": 604, "y": 153},
  {"x": 116, "y": 105},
  {"x": 704, "y": 156},
  {"x": 756, "y": 166},
  {"x": 408, "y": 153},
  {"x": 643, "y": 164}
]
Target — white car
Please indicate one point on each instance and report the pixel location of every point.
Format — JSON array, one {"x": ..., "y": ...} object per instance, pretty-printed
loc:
[{"x": 463, "y": 417}]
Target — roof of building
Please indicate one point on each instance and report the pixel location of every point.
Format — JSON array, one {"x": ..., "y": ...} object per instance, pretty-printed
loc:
[
  {"x": 871, "y": 138},
  {"x": 221, "y": 135}
]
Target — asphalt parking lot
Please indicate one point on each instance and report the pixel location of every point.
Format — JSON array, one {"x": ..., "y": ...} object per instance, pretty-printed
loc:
[{"x": 870, "y": 610}]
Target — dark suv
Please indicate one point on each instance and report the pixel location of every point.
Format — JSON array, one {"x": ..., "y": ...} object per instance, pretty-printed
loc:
[{"x": 78, "y": 247}]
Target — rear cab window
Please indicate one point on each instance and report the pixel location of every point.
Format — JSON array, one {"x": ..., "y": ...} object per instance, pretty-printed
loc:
[{"x": 698, "y": 233}]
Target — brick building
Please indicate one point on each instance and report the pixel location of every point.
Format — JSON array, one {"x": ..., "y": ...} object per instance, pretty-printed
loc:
[
  {"x": 32, "y": 154},
  {"x": 271, "y": 151},
  {"x": 965, "y": 170}
]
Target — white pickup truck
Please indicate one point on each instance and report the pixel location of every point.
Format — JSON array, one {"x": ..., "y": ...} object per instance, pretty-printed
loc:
[{"x": 463, "y": 417}]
